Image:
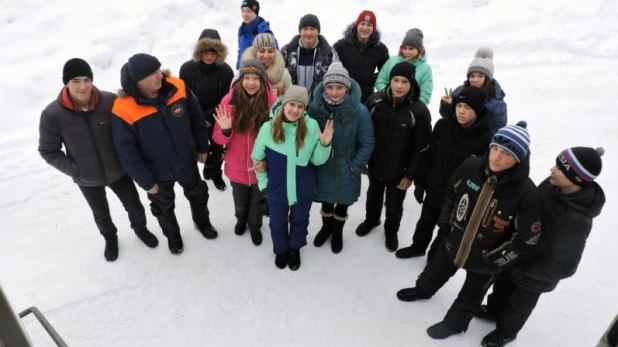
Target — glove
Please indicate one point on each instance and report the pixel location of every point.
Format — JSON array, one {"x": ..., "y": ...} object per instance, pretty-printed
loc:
[{"x": 419, "y": 193}]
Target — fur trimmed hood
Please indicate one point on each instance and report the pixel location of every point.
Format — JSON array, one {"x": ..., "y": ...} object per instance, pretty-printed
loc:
[
  {"x": 208, "y": 44},
  {"x": 129, "y": 86},
  {"x": 275, "y": 71},
  {"x": 349, "y": 35}
]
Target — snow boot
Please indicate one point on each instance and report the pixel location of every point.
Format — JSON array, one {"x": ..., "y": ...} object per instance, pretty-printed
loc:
[
  {"x": 240, "y": 227},
  {"x": 218, "y": 181},
  {"x": 175, "y": 244},
  {"x": 256, "y": 237},
  {"x": 147, "y": 238},
  {"x": 336, "y": 241},
  {"x": 411, "y": 294},
  {"x": 281, "y": 260},
  {"x": 441, "y": 331},
  {"x": 366, "y": 226},
  {"x": 391, "y": 242},
  {"x": 410, "y": 252},
  {"x": 207, "y": 230},
  {"x": 325, "y": 232},
  {"x": 496, "y": 338},
  {"x": 485, "y": 314},
  {"x": 111, "y": 248},
  {"x": 206, "y": 172},
  {"x": 294, "y": 259}
]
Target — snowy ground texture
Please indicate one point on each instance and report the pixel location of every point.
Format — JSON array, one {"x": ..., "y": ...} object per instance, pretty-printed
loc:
[{"x": 556, "y": 59}]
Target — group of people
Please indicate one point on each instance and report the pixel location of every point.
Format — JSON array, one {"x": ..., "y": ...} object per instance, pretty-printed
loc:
[{"x": 303, "y": 124}]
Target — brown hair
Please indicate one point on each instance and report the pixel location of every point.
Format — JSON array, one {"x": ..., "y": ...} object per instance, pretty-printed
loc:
[
  {"x": 487, "y": 86},
  {"x": 301, "y": 130},
  {"x": 251, "y": 112}
]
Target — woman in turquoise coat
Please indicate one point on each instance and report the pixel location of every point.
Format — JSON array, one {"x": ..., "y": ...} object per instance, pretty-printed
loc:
[
  {"x": 338, "y": 98},
  {"x": 292, "y": 145}
]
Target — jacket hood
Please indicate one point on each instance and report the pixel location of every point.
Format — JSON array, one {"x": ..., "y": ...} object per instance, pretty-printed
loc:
[
  {"x": 481, "y": 124},
  {"x": 500, "y": 94},
  {"x": 347, "y": 109},
  {"x": 129, "y": 86},
  {"x": 211, "y": 34},
  {"x": 275, "y": 71},
  {"x": 589, "y": 201},
  {"x": 350, "y": 36},
  {"x": 209, "y": 44}
]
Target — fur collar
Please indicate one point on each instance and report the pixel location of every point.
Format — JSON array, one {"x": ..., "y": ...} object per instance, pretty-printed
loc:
[
  {"x": 275, "y": 70},
  {"x": 208, "y": 44}
]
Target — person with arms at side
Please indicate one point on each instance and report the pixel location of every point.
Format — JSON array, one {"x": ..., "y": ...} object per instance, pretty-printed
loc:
[{"x": 252, "y": 25}]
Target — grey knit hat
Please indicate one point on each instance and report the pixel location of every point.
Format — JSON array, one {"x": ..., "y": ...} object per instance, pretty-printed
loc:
[
  {"x": 337, "y": 74},
  {"x": 414, "y": 38},
  {"x": 264, "y": 40},
  {"x": 483, "y": 63},
  {"x": 296, "y": 93},
  {"x": 253, "y": 66}
]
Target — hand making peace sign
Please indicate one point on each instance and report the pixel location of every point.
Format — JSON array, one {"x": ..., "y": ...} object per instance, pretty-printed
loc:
[
  {"x": 448, "y": 96},
  {"x": 327, "y": 135},
  {"x": 223, "y": 117}
]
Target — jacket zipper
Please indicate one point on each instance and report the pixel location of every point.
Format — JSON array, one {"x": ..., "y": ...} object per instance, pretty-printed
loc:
[{"x": 86, "y": 117}]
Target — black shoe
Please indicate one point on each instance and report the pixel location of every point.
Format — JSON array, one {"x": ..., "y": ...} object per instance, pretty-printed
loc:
[
  {"x": 392, "y": 242},
  {"x": 147, "y": 238},
  {"x": 325, "y": 232},
  {"x": 294, "y": 259},
  {"x": 484, "y": 314},
  {"x": 496, "y": 338},
  {"x": 240, "y": 228},
  {"x": 266, "y": 210},
  {"x": 206, "y": 173},
  {"x": 281, "y": 260},
  {"x": 256, "y": 237},
  {"x": 409, "y": 252},
  {"x": 441, "y": 331},
  {"x": 219, "y": 183},
  {"x": 411, "y": 294},
  {"x": 111, "y": 248},
  {"x": 175, "y": 244},
  {"x": 336, "y": 241},
  {"x": 207, "y": 230},
  {"x": 365, "y": 227}
]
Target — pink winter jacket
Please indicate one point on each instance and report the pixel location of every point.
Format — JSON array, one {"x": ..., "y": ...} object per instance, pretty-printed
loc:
[{"x": 238, "y": 146}]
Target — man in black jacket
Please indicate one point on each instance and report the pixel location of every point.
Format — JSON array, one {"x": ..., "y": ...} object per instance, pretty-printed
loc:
[
  {"x": 570, "y": 201},
  {"x": 79, "y": 119},
  {"x": 491, "y": 209},
  {"x": 402, "y": 129},
  {"x": 209, "y": 77}
]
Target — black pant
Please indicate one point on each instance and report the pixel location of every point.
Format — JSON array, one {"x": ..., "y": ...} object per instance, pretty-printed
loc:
[
  {"x": 437, "y": 272},
  {"x": 212, "y": 167},
  {"x": 162, "y": 204},
  {"x": 125, "y": 189},
  {"x": 339, "y": 210},
  {"x": 511, "y": 304},
  {"x": 248, "y": 205},
  {"x": 425, "y": 226},
  {"x": 393, "y": 204}
]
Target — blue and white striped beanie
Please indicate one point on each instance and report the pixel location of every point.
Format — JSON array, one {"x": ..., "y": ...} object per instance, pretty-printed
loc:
[{"x": 513, "y": 139}]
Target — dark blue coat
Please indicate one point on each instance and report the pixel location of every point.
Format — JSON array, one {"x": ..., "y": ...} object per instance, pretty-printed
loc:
[
  {"x": 247, "y": 33},
  {"x": 339, "y": 179}
]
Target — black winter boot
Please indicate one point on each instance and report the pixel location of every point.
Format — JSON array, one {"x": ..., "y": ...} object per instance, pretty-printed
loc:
[
  {"x": 147, "y": 238},
  {"x": 207, "y": 230},
  {"x": 410, "y": 252},
  {"x": 281, "y": 260},
  {"x": 111, "y": 248},
  {"x": 175, "y": 244},
  {"x": 240, "y": 227},
  {"x": 218, "y": 181},
  {"x": 256, "y": 237},
  {"x": 496, "y": 338},
  {"x": 294, "y": 259},
  {"x": 206, "y": 173},
  {"x": 441, "y": 331},
  {"x": 391, "y": 242},
  {"x": 411, "y": 294},
  {"x": 325, "y": 232},
  {"x": 484, "y": 314},
  {"x": 336, "y": 242},
  {"x": 365, "y": 227}
]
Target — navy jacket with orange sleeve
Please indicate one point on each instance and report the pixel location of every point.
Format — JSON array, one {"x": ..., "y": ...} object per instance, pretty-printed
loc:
[{"x": 158, "y": 139}]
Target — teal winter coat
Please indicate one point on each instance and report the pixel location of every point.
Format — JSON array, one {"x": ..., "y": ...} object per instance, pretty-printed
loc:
[{"x": 424, "y": 76}]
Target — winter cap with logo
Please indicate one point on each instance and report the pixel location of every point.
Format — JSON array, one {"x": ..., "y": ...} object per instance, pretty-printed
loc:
[
  {"x": 513, "y": 139},
  {"x": 473, "y": 97},
  {"x": 581, "y": 165},
  {"x": 309, "y": 20},
  {"x": 75, "y": 67},
  {"x": 141, "y": 65},
  {"x": 483, "y": 63},
  {"x": 403, "y": 69},
  {"x": 367, "y": 16},
  {"x": 296, "y": 93},
  {"x": 253, "y": 66},
  {"x": 337, "y": 74},
  {"x": 264, "y": 40},
  {"x": 253, "y": 5},
  {"x": 414, "y": 38}
]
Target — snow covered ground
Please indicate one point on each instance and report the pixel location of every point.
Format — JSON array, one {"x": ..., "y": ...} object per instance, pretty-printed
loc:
[{"x": 556, "y": 60}]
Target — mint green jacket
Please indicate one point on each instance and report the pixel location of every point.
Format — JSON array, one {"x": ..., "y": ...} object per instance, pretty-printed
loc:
[{"x": 424, "y": 76}]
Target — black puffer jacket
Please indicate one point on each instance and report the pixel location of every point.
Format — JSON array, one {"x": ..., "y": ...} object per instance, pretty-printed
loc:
[
  {"x": 451, "y": 144},
  {"x": 361, "y": 60},
  {"x": 90, "y": 158},
  {"x": 567, "y": 220},
  {"x": 495, "y": 218},
  {"x": 402, "y": 134}
]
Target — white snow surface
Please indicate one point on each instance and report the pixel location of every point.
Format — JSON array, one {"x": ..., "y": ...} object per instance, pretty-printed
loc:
[{"x": 556, "y": 60}]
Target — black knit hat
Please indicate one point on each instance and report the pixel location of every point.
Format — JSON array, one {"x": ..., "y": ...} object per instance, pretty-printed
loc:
[
  {"x": 581, "y": 165},
  {"x": 473, "y": 97},
  {"x": 141, "y": 65},
  {"x": 403, "y": 69},
  {"x": 75, "y": 67},
  {"x": 253, "y": 5},
  {"x": 309, "y": 20}
]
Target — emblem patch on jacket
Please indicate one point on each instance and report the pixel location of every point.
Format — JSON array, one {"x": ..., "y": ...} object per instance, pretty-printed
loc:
[
  {"x": 462, "y": 208},
  {"x": 177, "y": 110}
]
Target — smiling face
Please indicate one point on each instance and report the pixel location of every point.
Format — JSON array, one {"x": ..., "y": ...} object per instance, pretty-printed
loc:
[
  {"x": 500, "y": 159},
  {"x": 293, "y": 110},
  {"x": 336, "y": 92},
  {"x": 248, "y": 16},
  {"x": 409, "y": 52},
  {"x": 80, "y": 89},
  {"x": 266, "y": 55},
  {"x": 364, "y": 30},
  {"x": 476, "y": 79},
  {"x": 309, "y": 36},
  {"x": 251, "y": 83}
]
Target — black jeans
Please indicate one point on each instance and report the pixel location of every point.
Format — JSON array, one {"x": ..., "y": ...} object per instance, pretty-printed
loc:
[
  {"x": 125, "y": 190},
  {"x": 437, "y": 272},
  {"x": 339, "y": 210},
  {"x": 511, "y": 305},
  {"x": 162, "y": 204},
  {"x": 212, "y": 167},
  {"x": 393, "y": 204},
  {"x": 248, "y": 205},
  {"x": 425, "y": 226}
]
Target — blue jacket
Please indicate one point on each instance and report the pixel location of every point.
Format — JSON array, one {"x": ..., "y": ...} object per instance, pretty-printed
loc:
[
  {"x": 339, "y": 179},
  {"x": 158, "y": 139},
  {"x": 246, "y": 34}
]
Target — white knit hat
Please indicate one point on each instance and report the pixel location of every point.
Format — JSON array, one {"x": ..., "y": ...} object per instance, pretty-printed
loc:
[{"x": 483, "y": 63}]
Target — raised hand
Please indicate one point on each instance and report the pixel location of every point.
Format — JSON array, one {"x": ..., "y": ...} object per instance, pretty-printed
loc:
[
  {"x": 447, "y": 98},
  {"x": 223, "y": 117},
  {"x": 326, "y": 136}
]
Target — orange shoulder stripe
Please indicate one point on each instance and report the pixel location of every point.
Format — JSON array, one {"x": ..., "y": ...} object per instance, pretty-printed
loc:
[
  {"x": 180, "y": 85},
  {"x": 130, "y": 111}
]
